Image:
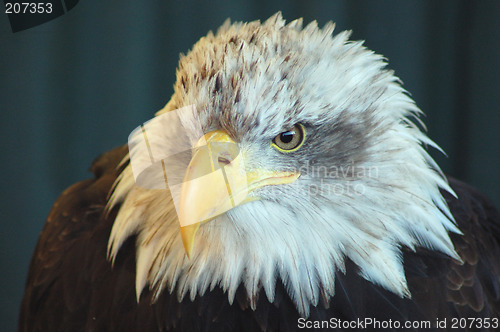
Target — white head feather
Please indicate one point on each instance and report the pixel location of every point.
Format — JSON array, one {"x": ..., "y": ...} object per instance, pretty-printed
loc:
[{"x": 274, "y": 75}]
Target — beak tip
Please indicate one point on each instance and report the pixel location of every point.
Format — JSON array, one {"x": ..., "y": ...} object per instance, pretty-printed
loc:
[
  {"x": 188, "y": 249},
  {"x": 187, "y": 235}
]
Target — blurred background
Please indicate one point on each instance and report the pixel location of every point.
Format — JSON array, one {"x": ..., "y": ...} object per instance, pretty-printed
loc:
[{"x": 77, "y": 86}]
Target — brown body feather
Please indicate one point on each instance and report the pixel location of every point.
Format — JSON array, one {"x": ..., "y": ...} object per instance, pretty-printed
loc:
[{"x": 71, "y": 286}]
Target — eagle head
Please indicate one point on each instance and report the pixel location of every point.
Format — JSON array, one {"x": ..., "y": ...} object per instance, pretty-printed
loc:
[{"x": 325, "y": 164}]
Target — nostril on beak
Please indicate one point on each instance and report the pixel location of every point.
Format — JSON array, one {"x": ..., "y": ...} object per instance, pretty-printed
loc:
[{"x": 223, "y": 160}]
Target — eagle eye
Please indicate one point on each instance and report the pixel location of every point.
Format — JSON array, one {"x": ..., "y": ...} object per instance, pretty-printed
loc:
[{"x": 290, "y": 140}]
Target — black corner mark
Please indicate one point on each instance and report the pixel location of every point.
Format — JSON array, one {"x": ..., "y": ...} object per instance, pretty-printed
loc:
[
  {"x": 25, "y": 14},
  {"x": 70, "y": 4}
]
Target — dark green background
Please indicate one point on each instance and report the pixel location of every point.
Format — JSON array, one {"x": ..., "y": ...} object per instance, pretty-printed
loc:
[{"x": 78, "y": 85}]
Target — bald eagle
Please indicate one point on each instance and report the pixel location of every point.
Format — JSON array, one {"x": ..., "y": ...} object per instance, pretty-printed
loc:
[{"x": 337, "y": 218}]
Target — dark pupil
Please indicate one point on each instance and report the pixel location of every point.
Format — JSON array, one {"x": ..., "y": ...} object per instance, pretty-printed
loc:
[{"x": 287, "y": 137}]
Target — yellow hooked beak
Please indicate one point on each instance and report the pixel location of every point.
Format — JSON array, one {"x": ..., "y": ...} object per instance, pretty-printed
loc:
[{"x": 216, "y": 181}]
